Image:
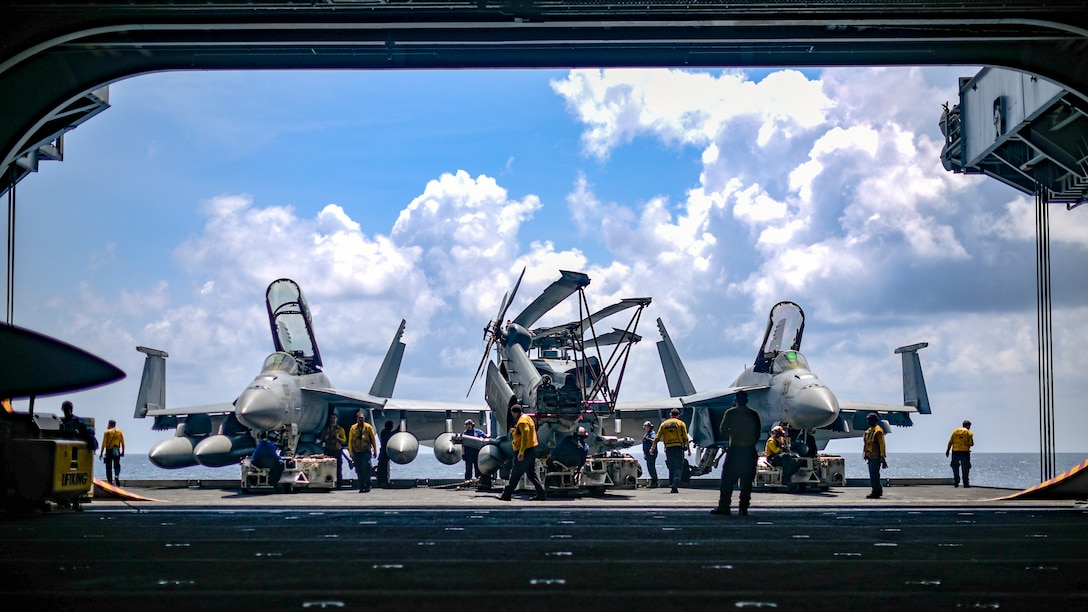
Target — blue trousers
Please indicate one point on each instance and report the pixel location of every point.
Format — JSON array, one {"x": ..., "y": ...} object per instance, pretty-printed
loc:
[
  {"x": 651, "y": 467},
  {"x": 874, "y": 476},
  {"x": 961, "y": 461},
  {"x": 470, "y": 467},
  {"x": 526, "y": 467},
  {"x": 674, "y": 460},
  {"x": 362, "y": 470}
]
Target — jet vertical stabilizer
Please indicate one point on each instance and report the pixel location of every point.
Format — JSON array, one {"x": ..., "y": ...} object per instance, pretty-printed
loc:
[
  {"x": 914, "y": 384},
  {"x": 676, "y": 376},
  {"x": 386, "y": 378},
  {"x": 152, "y": 394}
]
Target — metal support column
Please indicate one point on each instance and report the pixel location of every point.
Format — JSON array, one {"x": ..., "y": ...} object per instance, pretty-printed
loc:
[
  {"x": 1046, "y": 336},
  {"x": 9, "y": 312}
]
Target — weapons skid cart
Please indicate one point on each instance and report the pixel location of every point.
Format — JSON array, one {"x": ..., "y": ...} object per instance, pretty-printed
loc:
[
  {"x": 816, "y": 473},
  {"x": 310, "y": 472}
]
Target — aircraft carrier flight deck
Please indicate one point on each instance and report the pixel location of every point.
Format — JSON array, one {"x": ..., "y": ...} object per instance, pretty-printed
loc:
[{"x": 438, "y": 546}]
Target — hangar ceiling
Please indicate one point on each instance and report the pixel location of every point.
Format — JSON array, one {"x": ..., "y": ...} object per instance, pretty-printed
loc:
[{"x": 55, "y": 54}]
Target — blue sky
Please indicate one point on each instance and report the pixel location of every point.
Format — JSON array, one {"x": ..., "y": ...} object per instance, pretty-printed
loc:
[{"x": 421, "y": 195}]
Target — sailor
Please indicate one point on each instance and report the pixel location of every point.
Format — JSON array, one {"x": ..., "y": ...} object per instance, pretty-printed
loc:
[
  {"x": 383, "y": 457},
  {"x": 74, "y": 427},
  {"x": 113, "y": 448},
  {"x": 777, "y": 451},
  {"x": 960, "y": 446},
  {"x": 674, "y": 433},
  {"x": 874, "y": 454},
  {"x": 571, "y": 451},
  {"x": 523, "y": 435},
  {"x": 266, "y": 456},
  {"x": 742, "y": 427},
  {"x": 649, "y": 451},
  {"x": 362, "y": 444},
  {"x": 333, "y": 440},
  {"x": 470, "y": 454}
]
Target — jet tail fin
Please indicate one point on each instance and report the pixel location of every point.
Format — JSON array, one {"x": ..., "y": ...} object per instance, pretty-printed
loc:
[
  {"x": 152, "y": 395},
  {"x": 386, "y": 378},
  {"x": 676, "y": 376},
  {"x": 914, "y": 384}
]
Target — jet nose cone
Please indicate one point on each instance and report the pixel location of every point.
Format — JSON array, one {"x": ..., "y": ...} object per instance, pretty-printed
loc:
[
  {"x": 259, "y": 408},
  {"x": 815, "y": 406}
]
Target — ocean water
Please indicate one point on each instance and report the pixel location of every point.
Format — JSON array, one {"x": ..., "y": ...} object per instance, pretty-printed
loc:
[{"x": 1003, "y": 470}]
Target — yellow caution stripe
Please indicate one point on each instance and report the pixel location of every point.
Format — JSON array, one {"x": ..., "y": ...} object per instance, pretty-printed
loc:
[
  {"x": 1071, "y": 484},
  {"x": 116, "y": 491}
]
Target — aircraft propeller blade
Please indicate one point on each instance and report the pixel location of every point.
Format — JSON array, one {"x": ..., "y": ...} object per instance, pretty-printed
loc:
[
  {"x": 558, "y": 291},
  {"x": 479, "y": 368},
  {"x": 494, "y": 329},
  {"x": 617, "y": 336},
  {"x": 507, "y": 303},
  {"x": 579, "y": 327}
]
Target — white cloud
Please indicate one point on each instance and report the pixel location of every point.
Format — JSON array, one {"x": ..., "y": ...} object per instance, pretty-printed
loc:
[{"x": 686, "y": 107}]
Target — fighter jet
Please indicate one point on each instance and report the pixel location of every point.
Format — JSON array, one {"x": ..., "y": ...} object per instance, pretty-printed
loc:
[
  {"x": 291, "y": 394},
  {"x": 781, "y": 387},
  {"x": 562, "y": 377}
]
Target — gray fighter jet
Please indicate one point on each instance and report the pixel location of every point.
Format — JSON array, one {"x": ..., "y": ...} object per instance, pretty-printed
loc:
[
  {"x": 781, "y": 387},
  {"x": 292, "y": 394},
  {"x": 564, "y": 379}
]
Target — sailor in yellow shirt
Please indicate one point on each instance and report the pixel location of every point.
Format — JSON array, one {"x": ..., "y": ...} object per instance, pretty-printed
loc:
[
  {"x": 362, "y": 444},
  {"x": 960, "y": 447},
  {"x": 333, "y": 440},
  {"x": 674, "y": 433},
  {"x": 524, "y": 441},
  {"x": 113, "y": 448},
  {"x": 874, "y": 454}
]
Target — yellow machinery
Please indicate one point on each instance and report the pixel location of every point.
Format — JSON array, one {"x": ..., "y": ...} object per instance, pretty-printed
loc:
[{"x": 36, "y": 467}]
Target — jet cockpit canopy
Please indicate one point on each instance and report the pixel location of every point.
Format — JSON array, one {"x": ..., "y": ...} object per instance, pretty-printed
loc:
[
  {"x": 789, "y": 360},
  {"x": 785, "y": 327},
  {"x": 280, "y": 362},
  {"x": 292, "y": 327}
]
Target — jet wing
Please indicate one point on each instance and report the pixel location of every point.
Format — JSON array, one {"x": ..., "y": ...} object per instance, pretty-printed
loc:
[
  {"x": 224, "y": 408},
  {"x": 721, "y": 397},
  {"x": 702, "y": 411},
  {"x": 855, "y": 413},
  {"x": 203, "y": 419},
  {"x": 349, "y": 398},
  {"x": 426, "y": 419}
]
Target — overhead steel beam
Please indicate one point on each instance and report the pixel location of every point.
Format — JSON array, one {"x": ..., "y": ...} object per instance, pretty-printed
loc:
[{"x": 52, "y": 54}]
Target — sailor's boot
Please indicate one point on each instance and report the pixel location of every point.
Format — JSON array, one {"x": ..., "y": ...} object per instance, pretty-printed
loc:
[
  {"x": 723, "y": 506},
  {"x": 745, "y": 501}
]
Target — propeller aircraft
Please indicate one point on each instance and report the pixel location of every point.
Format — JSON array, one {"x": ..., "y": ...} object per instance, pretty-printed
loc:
[{"x": 563, "y": 379}]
